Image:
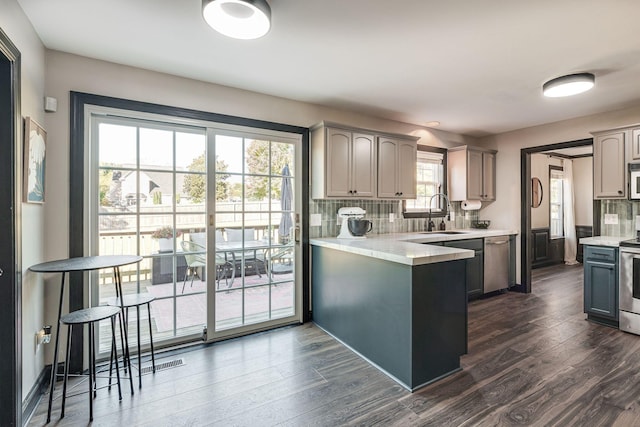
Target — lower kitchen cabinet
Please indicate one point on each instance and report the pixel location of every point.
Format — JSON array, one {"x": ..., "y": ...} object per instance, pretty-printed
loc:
[
  {"x": 601, "y": 284},
  {"x": 474, "y": 266}
]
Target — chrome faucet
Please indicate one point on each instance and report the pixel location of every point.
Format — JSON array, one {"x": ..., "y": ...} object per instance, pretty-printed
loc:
[{"x": 430, "y": 224}]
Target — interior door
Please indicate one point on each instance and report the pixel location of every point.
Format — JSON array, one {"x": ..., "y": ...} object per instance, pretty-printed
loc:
[{"x": 10, "y": 264}]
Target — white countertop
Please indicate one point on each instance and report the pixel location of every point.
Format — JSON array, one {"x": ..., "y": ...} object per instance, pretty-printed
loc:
[
  {"x": 409, "y": 248},
  {"x": 613, "y": 241}
]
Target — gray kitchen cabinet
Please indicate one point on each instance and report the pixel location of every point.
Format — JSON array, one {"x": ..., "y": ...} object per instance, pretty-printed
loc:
[
  {"x": 601, "y": 284},
  {"x": 472, "y": 173},
  {"x": 634, "y": 135},
  {"x": 609, "y": 167},
  {"x": 343, "y": 163},
  {"x": 396, "y": 168},
  {"x": 474, "y": 266}
]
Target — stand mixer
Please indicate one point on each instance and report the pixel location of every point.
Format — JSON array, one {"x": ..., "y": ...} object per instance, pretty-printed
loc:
[{"x": 345, "y": 214}]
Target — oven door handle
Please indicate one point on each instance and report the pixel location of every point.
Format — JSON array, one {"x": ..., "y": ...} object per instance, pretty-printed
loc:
[{"x": 636, "y": 277}]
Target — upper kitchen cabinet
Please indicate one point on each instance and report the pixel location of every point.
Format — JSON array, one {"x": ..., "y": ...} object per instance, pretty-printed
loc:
[
  {"x": 609, "y": 165},
  {"x": 634, "y": 135},
  {"x": 472, "y": 173},
  {"x": 397, "y": 168},
  {"x": 343, "y": 163}
]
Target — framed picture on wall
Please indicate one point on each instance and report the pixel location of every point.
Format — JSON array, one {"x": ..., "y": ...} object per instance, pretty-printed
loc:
[{"x": 35, "y": 140}]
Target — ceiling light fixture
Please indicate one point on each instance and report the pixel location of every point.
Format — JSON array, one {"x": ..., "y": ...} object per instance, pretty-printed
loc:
[
  {"x": 432, "y": 124},
  {"x": 240, "y": 19},
  {"x": 572, "y": 84}
]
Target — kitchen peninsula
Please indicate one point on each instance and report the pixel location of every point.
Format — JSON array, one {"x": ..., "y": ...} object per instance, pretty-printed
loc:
[{"x": 399, "y": 303}]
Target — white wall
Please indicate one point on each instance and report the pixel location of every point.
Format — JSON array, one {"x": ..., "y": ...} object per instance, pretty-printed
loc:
[
  {"x": 505, "y": 212},
  {"x": 583, "y": 190},
  {"x": 540, "y": 169},
  {"x": 19, "y": 30}
]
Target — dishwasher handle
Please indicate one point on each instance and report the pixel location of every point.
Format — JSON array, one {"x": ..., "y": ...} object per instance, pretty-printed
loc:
[{"x": 496, "y": 242}]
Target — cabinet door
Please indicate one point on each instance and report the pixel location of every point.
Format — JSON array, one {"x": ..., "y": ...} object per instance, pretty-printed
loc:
[
  {"x": 363, "y": 163},
  {"x": 338, "y": 164},
  {"x": 474, "y": 175},
  {"x": 609, "y": 170},
  {"x": 407, "y": 161},
  {"x": 600, "y": 289},
  {"x": 474, "y": 266},
  {"x": 387, "y": 167},
  {"x": 635, "y": 144},
  {"x": 489, "y": 176}
]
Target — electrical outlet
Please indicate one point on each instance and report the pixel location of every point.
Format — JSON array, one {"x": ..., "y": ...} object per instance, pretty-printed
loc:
[
  {"x": 610, "y": 219},
  {"x": 315, "y": 220},
  {"x": 392, "y": 217},
  {"x": 43, "y": 336}
]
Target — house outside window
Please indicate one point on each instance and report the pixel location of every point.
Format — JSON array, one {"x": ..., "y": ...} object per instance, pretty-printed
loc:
[
  {"x": 556, "y": 207},
  {"x": 430, "y": 180}
]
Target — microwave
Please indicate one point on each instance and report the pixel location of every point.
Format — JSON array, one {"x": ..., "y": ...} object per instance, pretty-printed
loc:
[{"x": 634, "y": 181}]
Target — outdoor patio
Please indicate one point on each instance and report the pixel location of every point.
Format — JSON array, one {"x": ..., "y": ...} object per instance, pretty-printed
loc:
[{"x": 264, "y": 299}]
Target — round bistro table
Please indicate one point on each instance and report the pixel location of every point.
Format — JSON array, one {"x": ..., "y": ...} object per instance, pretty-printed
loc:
[{"x": 88, "y": 263}]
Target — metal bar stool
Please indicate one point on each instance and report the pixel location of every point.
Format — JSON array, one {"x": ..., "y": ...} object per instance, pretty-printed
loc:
[
  {"x": 90, "y": 316},
  {"x": 134, "y": 300}
]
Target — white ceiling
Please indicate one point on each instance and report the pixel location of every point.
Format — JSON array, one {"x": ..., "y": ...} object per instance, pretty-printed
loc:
[{"x": 475, "y": 66}]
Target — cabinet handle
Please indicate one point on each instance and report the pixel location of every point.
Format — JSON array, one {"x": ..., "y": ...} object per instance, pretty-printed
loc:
[
  {"x": 400, "y": 194},
  {"x": 499, "y": 242},
  {"x": 601, "y": 254},
  {"x": 355, "y": 191},
  {"x": 619, "y": 191}
]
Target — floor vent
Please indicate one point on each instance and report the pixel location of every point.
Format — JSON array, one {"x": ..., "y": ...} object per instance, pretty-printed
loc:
[{"x": 164, "y": 365}]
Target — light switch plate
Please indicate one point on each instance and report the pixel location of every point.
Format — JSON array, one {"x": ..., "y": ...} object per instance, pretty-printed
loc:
[
  {"x": 610, "y": 219},
  {"x": 637, "y": 222},
  {"x": 316, "y": 220},
  {"x": 392, "y": 217}
]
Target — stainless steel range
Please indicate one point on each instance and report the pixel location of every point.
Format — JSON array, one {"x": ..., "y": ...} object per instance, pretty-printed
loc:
[{"x": 629, "y": 282}]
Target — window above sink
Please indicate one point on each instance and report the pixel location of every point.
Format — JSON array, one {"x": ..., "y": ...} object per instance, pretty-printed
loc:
[{"x": 430, "y": 180}]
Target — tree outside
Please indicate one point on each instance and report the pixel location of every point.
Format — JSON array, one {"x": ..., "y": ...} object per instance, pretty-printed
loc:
[
  {"x": 195, "y": 185},
  {"x": 258, "y": 161}
]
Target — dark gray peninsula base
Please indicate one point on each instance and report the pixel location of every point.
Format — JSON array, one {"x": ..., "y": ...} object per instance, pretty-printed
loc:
[{"x": 408, "y": 320}]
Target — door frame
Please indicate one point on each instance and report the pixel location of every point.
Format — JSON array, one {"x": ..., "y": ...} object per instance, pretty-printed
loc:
[
  {"x": 526, "y": 251},
  {"x": 11, "y": 248},
  {"x": 78, "y": 101}
]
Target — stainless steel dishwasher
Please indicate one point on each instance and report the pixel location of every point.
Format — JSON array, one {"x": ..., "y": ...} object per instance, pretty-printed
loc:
[{"x": 496, "y": 263}]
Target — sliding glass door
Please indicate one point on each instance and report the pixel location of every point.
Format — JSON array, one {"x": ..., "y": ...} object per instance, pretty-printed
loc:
[
  {"x": 211, "y": 208},
  {"x": 255, "y": 226}
]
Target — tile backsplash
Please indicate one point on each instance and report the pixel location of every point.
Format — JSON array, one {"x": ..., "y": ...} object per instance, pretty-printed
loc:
[
  {"x": 378, "y": 212},
  {"x": 626, "y": 212}
]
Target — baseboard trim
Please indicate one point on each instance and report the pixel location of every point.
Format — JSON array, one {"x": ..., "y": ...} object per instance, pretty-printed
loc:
[{"x": 30, "y": 403}]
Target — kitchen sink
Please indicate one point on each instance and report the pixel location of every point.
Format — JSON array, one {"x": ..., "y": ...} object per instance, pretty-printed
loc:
[{"x": 444, "y": 232}]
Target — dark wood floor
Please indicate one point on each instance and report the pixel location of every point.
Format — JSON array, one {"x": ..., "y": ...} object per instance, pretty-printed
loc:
[{"x": 533, "y": 360}]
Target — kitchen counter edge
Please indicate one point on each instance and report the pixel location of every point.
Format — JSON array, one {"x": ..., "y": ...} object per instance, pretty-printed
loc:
[
  {"x": 409, "y": 248},
  {"x": 612, "y": 241}
]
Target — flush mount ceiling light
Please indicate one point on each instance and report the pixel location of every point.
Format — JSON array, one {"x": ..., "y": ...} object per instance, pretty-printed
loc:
[
  {"x": 240, "y": 19},
  {"x": 572, "y": 84}
]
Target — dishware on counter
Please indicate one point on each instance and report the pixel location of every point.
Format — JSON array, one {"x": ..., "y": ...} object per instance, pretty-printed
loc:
[{"x": 481, "y": 224}]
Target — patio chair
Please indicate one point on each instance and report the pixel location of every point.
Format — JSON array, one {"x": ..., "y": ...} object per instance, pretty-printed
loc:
[
  {"x": 280, "y": 260},
  {"x": 194, "y": 255},
  {"x": 251, "y": 257}
]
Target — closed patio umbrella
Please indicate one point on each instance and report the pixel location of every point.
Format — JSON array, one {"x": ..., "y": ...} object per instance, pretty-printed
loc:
[{"x": 286, "y": 197}]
